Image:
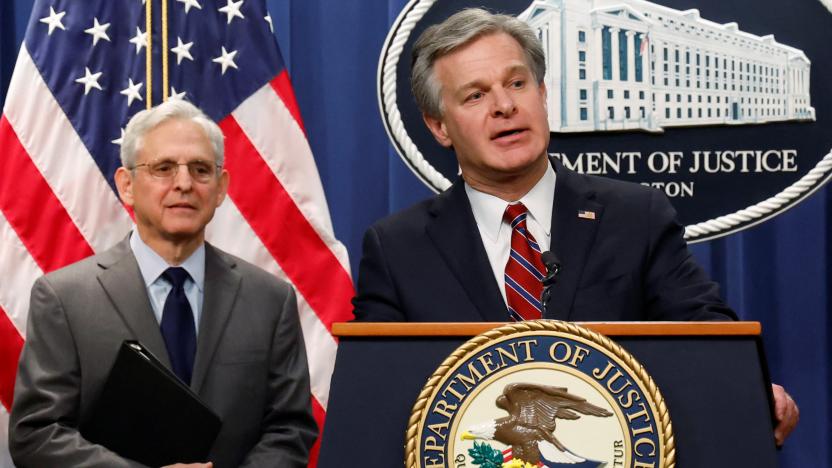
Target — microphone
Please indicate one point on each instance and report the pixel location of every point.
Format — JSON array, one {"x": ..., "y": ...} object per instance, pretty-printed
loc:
[{"x": 552, "y": 264}]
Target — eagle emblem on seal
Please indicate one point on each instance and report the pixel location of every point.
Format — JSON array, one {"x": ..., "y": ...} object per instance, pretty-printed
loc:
[{"x": 533, "y": 411}]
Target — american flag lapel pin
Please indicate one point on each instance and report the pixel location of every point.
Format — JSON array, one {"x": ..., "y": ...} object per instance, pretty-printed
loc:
[{"x": 585, "y": 214}]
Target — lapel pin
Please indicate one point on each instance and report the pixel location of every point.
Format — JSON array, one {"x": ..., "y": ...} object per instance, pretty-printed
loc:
[{"x": 584, "y": 214}]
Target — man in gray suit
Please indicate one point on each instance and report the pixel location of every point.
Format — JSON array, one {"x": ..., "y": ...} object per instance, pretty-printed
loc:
[{"x": 227, "y": 328}]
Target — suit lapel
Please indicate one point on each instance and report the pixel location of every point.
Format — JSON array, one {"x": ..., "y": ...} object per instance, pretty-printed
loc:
[
  {"x": 123, "y": 283},
  {"x": 454, "y": 232},
  {"x": 222, "y": 283},
  {"x": 572, "y": 237}
]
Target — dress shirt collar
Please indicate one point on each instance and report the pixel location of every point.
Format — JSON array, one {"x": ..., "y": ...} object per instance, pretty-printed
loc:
[
  {"x": 488, "y": 209},
  {"x": 152, "y": 265}
]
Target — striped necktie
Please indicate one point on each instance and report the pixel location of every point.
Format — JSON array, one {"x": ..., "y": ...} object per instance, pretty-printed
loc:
[{"x": 524, "y": 269}]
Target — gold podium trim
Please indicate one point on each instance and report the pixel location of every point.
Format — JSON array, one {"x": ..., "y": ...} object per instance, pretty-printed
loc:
[{"x": 358, "y": 329}]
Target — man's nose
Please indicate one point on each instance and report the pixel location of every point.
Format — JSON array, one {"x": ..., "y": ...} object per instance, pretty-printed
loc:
[
  {"x": 182, "y": 180},
  {"x": 503, "y": 105}
]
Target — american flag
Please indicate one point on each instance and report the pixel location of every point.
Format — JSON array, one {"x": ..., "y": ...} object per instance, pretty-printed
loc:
[{"x": 84, "y": 69}]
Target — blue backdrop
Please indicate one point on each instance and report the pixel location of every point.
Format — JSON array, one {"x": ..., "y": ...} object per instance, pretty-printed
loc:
[{"x": 776, "y": 273}]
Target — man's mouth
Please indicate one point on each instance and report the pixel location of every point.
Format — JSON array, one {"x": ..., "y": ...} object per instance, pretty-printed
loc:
[
  {"x": 182, "y": 205},
  {"x": 507, "y": 134}
]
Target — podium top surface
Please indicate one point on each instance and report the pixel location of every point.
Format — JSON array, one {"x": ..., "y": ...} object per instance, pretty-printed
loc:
[{"x": 377, "y": 329}]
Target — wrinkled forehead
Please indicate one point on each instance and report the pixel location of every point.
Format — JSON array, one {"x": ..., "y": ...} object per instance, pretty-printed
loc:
[
  {"x": 487, "y": 56},
  {"x": 179, "y": 140}
]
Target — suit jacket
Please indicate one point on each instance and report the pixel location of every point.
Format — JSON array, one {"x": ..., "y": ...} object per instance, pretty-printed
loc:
[
  {"x": 428, "y": 263},
  {"x": 250, "y": 364}
]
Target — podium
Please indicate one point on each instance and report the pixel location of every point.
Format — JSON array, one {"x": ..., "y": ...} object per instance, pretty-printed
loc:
[{"x": 713, "y": 377}]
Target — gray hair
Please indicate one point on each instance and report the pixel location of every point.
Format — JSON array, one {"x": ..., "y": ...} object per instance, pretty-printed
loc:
[
  {"x": 456, "y": 31},
  {"x": 148, "y": 119}
]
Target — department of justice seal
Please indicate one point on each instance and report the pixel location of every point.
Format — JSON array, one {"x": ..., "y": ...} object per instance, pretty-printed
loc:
[{"x": 540, "y": 393}]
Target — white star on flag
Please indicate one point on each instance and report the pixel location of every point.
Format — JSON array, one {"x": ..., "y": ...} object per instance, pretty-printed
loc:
[
  {"x": 175, "y": 95},
  {"x": 54, "y": 20},
  {"x": 268, "y": 19},
  {"x": 140, "y": 40},
  {"x": 132, "y": 92},
  {"x": 190, "y": 3},
  {"x": 182, "y": 50},
  {"x": 226, "y": 59},
  {"x": 89, "y": 80},
  {"x": 232, "y": 9},
  {"x": 98, "y": 31},
  {"x": 118, "y": 141}
]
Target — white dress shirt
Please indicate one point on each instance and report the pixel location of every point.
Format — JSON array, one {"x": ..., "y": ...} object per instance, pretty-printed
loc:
[
  {"x": 496, "y": 233},
  {"x": 152, "y": 266}
]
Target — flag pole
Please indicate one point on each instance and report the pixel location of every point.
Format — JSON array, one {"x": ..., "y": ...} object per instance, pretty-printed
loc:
[
  {"x": 148, "y": 24},
  {"x": 164, "y": 50}
]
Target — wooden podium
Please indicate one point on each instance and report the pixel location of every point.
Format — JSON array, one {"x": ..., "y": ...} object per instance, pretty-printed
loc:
[{"x": 713, "y": 377}]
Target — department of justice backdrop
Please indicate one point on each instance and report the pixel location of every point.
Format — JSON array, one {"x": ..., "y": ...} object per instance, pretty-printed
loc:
[{"x": 725, "y": 106}]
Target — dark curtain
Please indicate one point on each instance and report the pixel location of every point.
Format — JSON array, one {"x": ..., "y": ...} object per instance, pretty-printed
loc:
[{"x": 776, "y": 273}]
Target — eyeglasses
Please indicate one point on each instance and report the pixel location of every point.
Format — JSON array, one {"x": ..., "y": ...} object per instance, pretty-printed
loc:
[{"x": 200, "y": 171}]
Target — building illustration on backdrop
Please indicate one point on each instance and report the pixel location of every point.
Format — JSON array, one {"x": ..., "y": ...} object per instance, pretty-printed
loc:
[{"x": 636, "y": 65}]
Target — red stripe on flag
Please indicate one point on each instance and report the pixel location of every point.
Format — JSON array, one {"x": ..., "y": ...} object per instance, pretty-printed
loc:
[
  {"x": 10, "y": 345},
  {"x": 283, "y": 229},
  {"x": 283, "y": 87},
  {"x": 36, "y": 215},
  {"x": 319, "y": 414}
]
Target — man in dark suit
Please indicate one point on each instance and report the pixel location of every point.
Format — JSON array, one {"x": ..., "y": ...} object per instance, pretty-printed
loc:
[
  {"x": 225, "y": 327},
  {"x": 473, "y": 253},
  {"x": 628, "y": 261}
]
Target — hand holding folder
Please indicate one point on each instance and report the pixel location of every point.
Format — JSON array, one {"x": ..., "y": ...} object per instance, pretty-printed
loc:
[{"x": 145, "y": 413}]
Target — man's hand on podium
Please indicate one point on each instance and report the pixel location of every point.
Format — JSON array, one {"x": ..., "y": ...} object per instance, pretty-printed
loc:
[{"x": 786, "y": 413}]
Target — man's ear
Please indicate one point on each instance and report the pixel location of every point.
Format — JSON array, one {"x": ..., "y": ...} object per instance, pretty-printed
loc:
[
  {"x": 124, "y": 184},
  {"x": 438, "y": 129},
  {"x": 225, "y": 179}
]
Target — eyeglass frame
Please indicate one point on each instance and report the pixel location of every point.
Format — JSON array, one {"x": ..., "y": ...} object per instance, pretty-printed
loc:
[{"x": 197, "y": 178}]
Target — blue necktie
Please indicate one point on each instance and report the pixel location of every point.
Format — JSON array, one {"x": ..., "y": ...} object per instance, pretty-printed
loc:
[{"x": 178, "y": 325}]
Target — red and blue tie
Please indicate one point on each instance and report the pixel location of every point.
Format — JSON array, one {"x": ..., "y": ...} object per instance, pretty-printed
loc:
[{"x": 524, "y": 269}]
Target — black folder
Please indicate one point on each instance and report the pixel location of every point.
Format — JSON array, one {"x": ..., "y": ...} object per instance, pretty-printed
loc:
[{"x": 145, "y": 413}]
